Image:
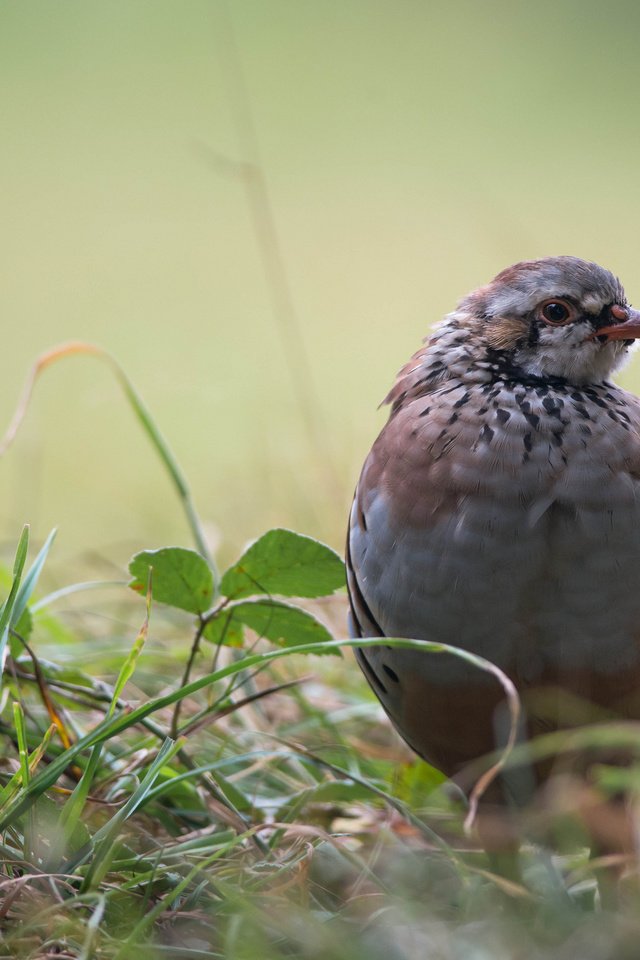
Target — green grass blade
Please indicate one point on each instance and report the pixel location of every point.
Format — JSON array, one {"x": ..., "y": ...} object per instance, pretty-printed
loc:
[
  {"x": 72, "y": 810},
  {"x": 73, "y": 589},
  {"x": 7, "y": 613},
  {"x": 93, "y": 928},
  {"x": 17, "y": 779},
  {"x": 128, "y": 667},
  {"x": 23, "y": 754},
  {"x": 31, "y": 579},
  {"x": 21, "y": 736},
  {"x": 171, "y": 464}
]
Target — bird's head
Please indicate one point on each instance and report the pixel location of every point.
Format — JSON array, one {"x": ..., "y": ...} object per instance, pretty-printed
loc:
[{"x": 556, "y": 317}]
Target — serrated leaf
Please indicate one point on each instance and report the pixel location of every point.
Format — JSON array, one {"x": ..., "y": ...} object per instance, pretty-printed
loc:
[
  {"x": 283, "y": 624},
  {"x": 181, "y": 578},
  {"x": 286, "y": 563}
]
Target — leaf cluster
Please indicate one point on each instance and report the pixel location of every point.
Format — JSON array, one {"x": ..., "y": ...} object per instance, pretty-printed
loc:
[{"x": 281, "y": 563}]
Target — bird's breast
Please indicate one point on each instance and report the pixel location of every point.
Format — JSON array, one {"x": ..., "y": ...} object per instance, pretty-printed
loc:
[{"x": 506, "y": 521}]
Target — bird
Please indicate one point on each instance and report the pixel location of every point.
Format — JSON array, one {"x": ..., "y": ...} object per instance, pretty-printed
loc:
[{"x": 498, "y": 511}]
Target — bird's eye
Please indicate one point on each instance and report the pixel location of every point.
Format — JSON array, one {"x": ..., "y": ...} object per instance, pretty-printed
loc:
[{"x": 556, "y": 312}]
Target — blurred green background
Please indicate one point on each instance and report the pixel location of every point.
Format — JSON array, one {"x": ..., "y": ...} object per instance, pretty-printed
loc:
[{"x": 411, "y": 149}]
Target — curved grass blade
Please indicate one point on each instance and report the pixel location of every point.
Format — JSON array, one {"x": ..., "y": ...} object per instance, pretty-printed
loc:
[
  {"x": 7, "y": 613},
  {"x": 73, "y": 589},
  {"x": 143, "y": 415},
  {"x": 110, "y": 727}
]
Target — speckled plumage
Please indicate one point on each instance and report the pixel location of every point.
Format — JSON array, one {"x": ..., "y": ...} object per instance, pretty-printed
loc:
[{"x": 499, "y": 511}]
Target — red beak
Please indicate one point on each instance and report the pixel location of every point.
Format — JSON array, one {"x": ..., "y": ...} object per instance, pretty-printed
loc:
[{"x": 627, "y": 329}]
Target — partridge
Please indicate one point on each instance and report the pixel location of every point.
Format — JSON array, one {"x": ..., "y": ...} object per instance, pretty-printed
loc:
[{"x": 499, "y": 511}]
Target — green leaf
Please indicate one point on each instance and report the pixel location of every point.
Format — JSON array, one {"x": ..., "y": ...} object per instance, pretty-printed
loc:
[
  {"x": 285, "y": 563},
  {"x": 283, "y": 624},
  {"x": 181, "y": 578},
  {"x": 226, "y": 629}
]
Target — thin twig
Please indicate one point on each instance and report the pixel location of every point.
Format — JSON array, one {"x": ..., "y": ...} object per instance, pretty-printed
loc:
[
  {"x": 195, "y": 646},
  {"x": 51, "y": 707},
  {"x": 210, "y": 716}
]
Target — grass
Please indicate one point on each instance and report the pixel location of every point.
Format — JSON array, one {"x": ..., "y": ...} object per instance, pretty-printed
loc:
[{"x": 181, "y": 780}]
